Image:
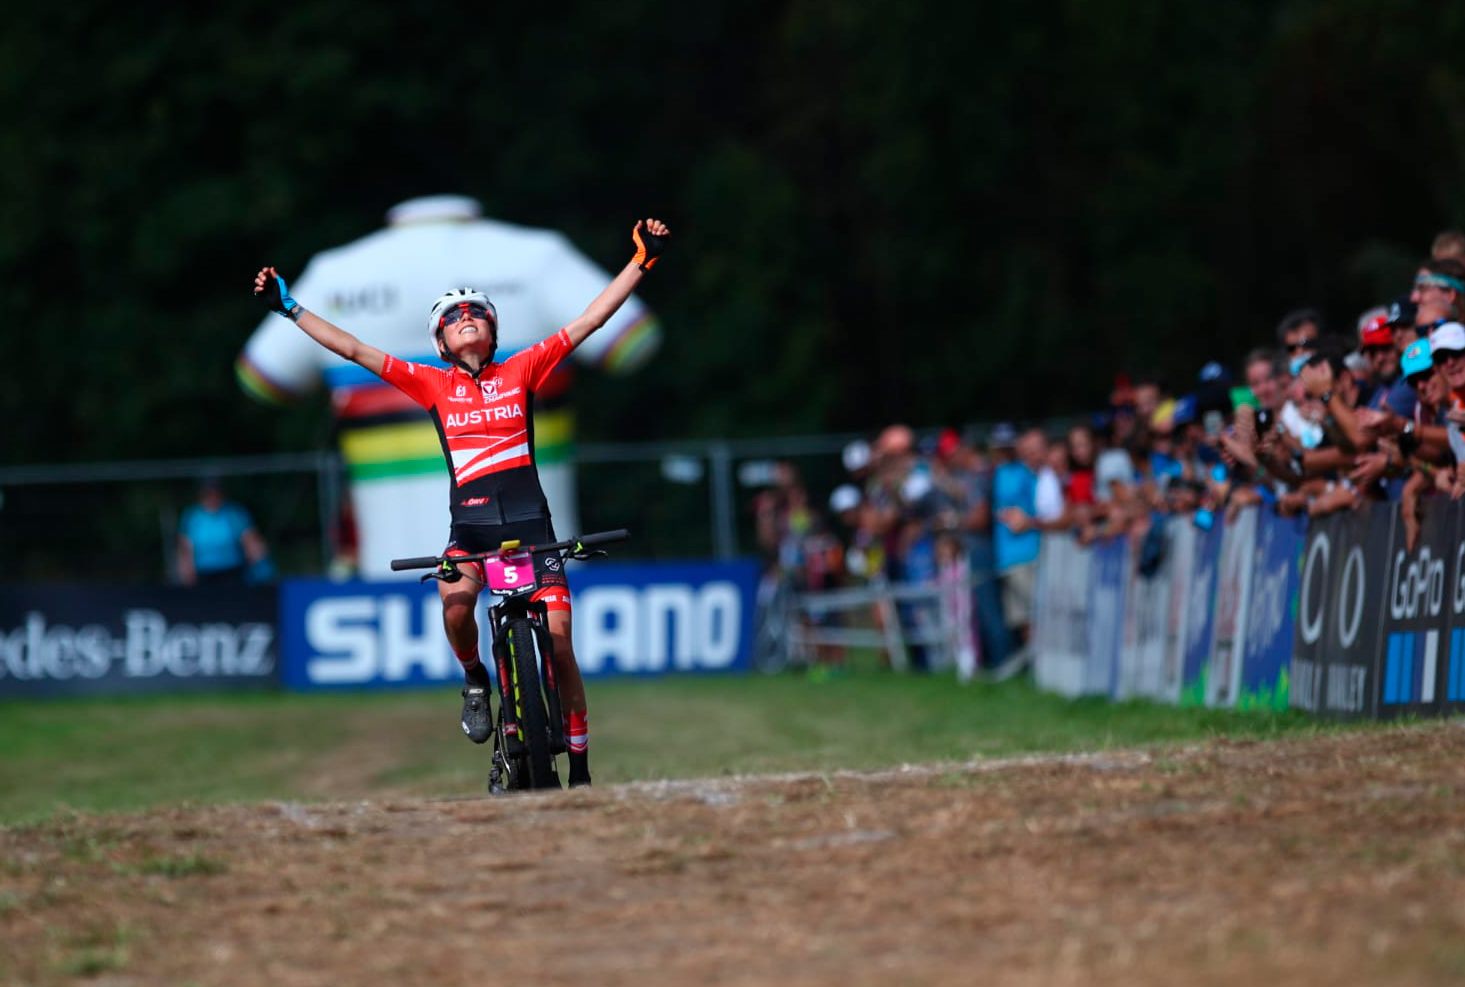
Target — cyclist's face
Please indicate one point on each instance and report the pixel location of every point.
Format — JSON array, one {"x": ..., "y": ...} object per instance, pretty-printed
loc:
[{"x": 467, "y": 327}]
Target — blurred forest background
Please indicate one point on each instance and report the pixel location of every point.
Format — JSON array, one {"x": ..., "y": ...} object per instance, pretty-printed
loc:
[{"x": 883, "y": 210}]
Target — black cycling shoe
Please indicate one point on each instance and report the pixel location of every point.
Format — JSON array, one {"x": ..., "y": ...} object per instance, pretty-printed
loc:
[
  {"x": 579, "y": 770},
  {"x": 476, "y": 721}
]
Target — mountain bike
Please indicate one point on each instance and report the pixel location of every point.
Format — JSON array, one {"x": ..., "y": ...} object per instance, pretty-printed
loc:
[{"x": 529, "y": 731}]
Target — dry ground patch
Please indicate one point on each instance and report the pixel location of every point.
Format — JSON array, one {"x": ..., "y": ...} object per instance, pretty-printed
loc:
[{"x": 1321, "y": 859}]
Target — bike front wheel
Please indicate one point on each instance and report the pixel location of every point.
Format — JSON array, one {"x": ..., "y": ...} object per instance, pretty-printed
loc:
[{"x": 529, "y": 710}]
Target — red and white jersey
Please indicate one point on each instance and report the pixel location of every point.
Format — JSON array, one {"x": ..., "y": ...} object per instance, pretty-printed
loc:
[{"x": 483, "y": 422}]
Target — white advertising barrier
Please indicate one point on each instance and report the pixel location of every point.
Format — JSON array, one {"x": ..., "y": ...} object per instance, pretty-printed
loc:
[
  {"x": 1146, "y": 613},
  {"x": 1060, "y": 623},
  {"x": 1233, "y": 597},
  {"x": 380, "y": 289},
  {"x": 1180, "y": 567},
  {"x": 628, "y": 620}
]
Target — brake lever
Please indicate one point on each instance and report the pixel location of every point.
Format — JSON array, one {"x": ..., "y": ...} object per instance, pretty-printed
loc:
[{"x": 446, "y": 572}]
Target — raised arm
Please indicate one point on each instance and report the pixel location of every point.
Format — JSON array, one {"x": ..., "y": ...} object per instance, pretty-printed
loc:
[
  {"x": 272, "y": 288},
  {"x": 649, "y": 235}
]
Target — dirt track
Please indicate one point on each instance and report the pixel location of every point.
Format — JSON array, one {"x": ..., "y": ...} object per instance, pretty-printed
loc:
[{"x": 1338, "y": 859}]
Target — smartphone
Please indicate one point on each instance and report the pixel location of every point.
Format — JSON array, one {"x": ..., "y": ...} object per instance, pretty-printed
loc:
[{"x": 1214, "y": 423}]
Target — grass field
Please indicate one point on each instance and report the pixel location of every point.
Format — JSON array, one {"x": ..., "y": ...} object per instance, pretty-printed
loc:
[
  {"x": 273, "y": 840},
  {"x": 136, "y": 753}
]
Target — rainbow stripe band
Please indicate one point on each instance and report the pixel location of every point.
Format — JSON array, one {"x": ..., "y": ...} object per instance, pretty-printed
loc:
[
  {"x": 259, "y": 386},
  {"x": 401, "y": 449}
]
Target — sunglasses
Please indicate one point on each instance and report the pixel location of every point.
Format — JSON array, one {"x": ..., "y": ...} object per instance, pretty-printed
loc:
[
  {"x": 1418, "y": 380},
  {"x": 1302, "y": 344},
  {"x": 469, "y": 309}
]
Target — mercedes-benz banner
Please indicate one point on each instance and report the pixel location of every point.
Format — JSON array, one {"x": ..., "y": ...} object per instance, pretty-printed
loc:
[{"x": 109, "y": 640}]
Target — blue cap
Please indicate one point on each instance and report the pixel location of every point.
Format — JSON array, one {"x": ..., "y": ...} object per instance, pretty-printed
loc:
[
  {"x": 1213, "y": 372},
  {"x": 1416, "y": 358},
  {"x": 1003, "y": 434},
  {"x": 1184, "y": 410}
]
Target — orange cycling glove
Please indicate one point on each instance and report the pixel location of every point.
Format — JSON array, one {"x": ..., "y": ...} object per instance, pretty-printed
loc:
[{"x": 648, "y": 246}]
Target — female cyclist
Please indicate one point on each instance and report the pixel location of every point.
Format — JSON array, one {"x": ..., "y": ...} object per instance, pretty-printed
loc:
[{"x": 482, "y": 413}]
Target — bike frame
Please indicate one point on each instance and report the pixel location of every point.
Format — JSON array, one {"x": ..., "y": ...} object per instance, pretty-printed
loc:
[{"x": 509, "y": 576}]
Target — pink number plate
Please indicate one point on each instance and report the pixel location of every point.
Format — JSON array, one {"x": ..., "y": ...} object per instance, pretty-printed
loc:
[{"x": 506, "y": 574}]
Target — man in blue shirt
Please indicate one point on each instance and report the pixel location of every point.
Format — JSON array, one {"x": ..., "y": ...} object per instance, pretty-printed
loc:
[
  {"x": 217, "y": 540},
  {"x": 1017, "y": 535}
]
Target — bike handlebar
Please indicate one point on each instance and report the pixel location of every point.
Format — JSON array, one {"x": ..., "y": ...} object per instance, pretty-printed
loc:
[
  {"x": 421, "y": 562},
  {"x": 574, "y": 544}
]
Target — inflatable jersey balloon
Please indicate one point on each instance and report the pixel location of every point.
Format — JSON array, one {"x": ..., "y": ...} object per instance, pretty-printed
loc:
[{"x": 380, "y": 288}]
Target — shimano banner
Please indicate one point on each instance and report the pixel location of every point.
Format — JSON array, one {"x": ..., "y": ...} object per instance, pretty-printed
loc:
[
  {"x": 101, "y": 640},
  {"x": 628, "y": 620}
]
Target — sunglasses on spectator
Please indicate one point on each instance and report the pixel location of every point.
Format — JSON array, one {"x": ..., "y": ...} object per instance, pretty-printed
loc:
[
  {"x": 456, "y": 313},
  {"x": 1302, "y": 344},
  {"x": 1418, "y": 380}
]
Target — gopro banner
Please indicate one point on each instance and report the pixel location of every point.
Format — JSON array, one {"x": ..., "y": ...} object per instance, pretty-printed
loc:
[
  {"x": 628, "y": 620},
  {"x": 1452, "y": 662},
  {"x": 102, "y": 640},
  {"x": 1341, "y": 607},
  {"x": 1417, "y": 632}
]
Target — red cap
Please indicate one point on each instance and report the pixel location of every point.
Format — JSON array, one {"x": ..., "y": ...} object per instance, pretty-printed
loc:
[
  {"x": 1377, "y": 332},
  {"x": 947, "y": 442}
]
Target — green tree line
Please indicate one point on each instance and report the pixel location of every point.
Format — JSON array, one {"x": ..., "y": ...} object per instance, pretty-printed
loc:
[{"x": 883, "y": 210}]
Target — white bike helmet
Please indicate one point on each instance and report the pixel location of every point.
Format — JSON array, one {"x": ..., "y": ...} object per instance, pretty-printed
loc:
[{"x": 451, "y": 299}]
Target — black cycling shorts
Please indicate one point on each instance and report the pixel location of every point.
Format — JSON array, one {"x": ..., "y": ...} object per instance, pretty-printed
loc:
[{"x": 549, "y": 568}]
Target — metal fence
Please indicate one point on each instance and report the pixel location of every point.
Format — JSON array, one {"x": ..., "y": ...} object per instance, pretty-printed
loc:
[{"x": 682, "y": 499}]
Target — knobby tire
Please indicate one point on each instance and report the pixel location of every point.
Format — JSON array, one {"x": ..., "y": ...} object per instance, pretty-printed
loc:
[{"x": 529, "y": 705}]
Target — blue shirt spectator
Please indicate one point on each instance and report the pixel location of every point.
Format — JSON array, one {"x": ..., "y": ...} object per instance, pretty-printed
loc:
[
  {"x": 1015, "y": 485},
  {"x": 217, "y": 542}
]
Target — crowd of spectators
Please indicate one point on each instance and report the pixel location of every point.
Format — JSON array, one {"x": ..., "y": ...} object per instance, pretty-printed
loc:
[{"x": 1313, "y": 423}]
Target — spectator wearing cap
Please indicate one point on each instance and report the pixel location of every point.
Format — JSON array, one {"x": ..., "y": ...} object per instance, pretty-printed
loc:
[
  {"x": 1447, "y": 350},
  {"x": 1390, "y": 390},
  {"x": 1424, "y": 442},
  {"x": 1401, "y": 317}
]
